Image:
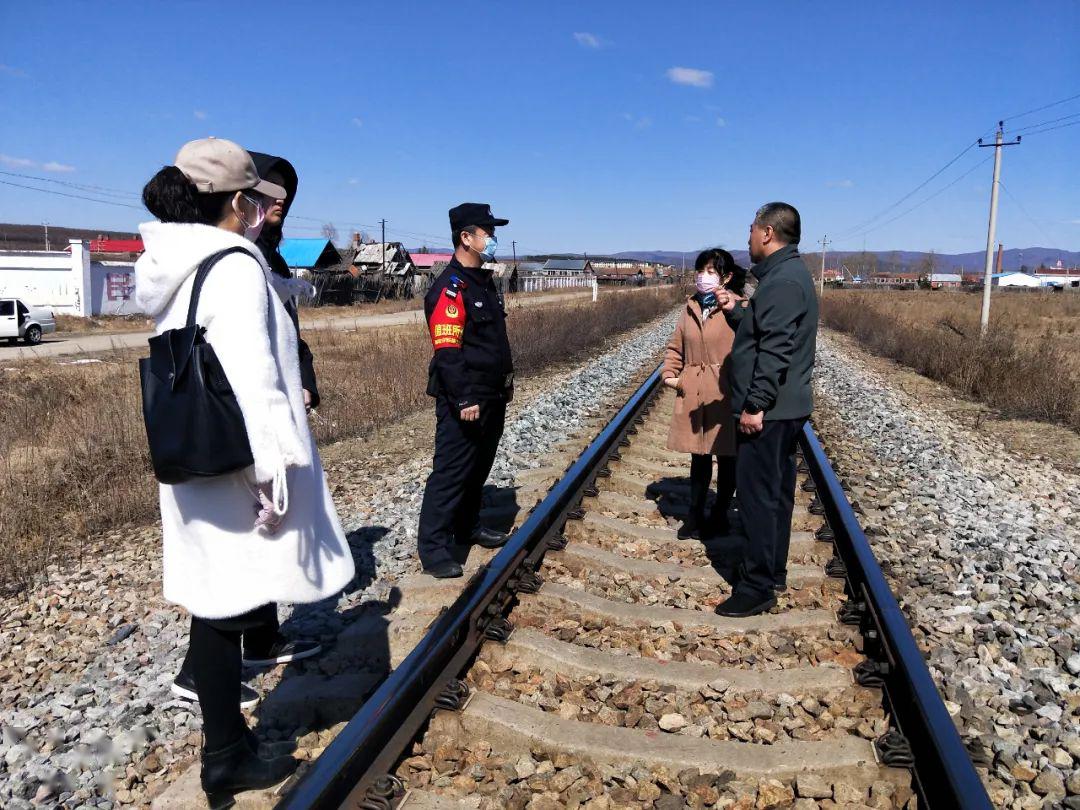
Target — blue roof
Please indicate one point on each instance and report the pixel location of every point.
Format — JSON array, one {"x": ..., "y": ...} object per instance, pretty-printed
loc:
[{"x": 303, "y": 252}]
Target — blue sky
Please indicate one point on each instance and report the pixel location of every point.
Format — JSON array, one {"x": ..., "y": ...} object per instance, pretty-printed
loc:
[{"x": 596, "y": 126}]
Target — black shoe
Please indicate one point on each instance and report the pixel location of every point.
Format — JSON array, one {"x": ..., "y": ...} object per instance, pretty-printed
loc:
[
  {"x": 183, "y": 686},
  {"x": 447, "y": 569},
  {"x": 718, "y": 525},
  {"x": 488, "y": 538},
  {"x": 237, "y": 768},
  {"x": 282, "y": 651},
  {"x": 690, "y": 529},
  {"x": 268, "y": 750},
  {"x": 742, "y": 604}
]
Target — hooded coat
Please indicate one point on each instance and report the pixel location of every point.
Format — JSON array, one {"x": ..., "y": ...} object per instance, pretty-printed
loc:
[
  {"x": 699, "y": 355},
  {"x": 216, "y": 563},
  {"x": 268, "y": 242}
]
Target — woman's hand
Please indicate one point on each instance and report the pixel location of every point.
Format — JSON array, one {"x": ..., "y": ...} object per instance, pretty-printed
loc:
[{"x": 266, "y": 517}]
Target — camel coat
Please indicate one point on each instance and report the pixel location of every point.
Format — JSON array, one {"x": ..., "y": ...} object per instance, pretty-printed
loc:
[{"x": 699, "y": 355}]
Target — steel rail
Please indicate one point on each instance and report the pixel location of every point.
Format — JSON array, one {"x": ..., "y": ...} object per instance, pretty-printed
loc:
[
  {"x": 943, "y": 773},
  {"x": 354, "y": 768}
]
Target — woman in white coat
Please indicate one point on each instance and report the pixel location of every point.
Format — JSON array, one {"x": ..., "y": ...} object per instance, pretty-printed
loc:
[{"x": 268, "y": 533}]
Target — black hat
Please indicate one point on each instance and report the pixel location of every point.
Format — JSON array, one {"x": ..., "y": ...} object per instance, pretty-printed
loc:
[{"x": 466, "y": 214}]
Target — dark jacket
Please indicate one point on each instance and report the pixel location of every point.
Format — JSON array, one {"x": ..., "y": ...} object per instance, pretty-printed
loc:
[
  {"x": 467, "y": 322},
  {"x": 772, "y": 358},
  {"x": 268, "y": 242}
]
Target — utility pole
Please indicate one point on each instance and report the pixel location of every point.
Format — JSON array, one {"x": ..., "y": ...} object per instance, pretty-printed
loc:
[
  {"x": 513, "y": 246},
  {"x": 984, "y": 320},
  {"x": 821, "y": 281},
  {"x": 382, "y": 222},
  {"x": 46, "y": 224}
]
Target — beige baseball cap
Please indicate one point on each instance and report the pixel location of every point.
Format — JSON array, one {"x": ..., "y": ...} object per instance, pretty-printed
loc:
[{"x": 217, "y": 164}]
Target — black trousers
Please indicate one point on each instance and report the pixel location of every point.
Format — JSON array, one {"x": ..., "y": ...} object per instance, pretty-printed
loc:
[
  {"x": 464, "y": 453},
  {"x": 701, "y": 477},
  {"x": 214, "y": 662},
  {"x": 765, "y": 478}
]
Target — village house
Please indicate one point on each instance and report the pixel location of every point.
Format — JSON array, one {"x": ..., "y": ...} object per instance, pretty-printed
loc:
[
  {"x": 939, "y": 281},
  {"x": 306, "y": 257},
  {"x": 385, "y": 270}
]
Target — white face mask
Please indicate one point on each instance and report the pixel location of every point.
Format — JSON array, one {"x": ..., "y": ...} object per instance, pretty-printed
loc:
[{"x": 254, "y": 228}]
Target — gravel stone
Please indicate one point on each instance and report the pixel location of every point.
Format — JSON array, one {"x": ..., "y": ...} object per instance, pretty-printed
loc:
[{"x": 981, "y": 548}]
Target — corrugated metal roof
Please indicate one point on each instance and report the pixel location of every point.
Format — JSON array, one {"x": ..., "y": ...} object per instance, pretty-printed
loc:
[
  {"x": 373, "y": 253},
  {"x": 303, "y": 253},
  {"x": 116, "y": 245},
  {"x": 566, "y": 265},
  {"x": 426, "y": 260}
]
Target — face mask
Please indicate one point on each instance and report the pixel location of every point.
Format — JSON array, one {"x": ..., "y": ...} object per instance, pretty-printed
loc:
[
  {"x": 254, "y": 228},
  {"x": 707, "y": 282},
  {"x": 491, "y": 244}
]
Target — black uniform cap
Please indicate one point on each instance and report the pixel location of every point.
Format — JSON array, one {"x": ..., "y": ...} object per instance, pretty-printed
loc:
[{"x": 467, "y": 214}]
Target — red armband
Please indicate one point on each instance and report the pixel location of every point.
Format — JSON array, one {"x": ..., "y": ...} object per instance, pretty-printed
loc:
[{"x": 447, "y": 322}]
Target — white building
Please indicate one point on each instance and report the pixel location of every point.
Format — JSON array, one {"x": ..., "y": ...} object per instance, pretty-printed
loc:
[
  {"x": 68, "y": 282},
  {"x": 1014, "y": 278}
]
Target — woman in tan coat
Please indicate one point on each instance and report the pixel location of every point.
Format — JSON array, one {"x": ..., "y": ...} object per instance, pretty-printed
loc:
[{"x": 695, "y": 365}]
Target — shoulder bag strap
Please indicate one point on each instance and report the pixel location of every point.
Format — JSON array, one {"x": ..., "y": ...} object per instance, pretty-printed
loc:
[{"x": 203, "y": 272}]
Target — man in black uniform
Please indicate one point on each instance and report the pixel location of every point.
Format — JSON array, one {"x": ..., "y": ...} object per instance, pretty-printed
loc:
[{"x": 472, "y": 378}]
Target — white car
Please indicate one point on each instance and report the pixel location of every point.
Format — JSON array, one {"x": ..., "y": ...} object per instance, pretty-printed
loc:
[{"x": 17, "y": 320}]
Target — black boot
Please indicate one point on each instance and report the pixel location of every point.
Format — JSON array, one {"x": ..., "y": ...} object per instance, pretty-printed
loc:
[
  {"x": 692, "y": 526},
  {"x": 236, "y": 768},
  {"x": 718, "y": 524}
]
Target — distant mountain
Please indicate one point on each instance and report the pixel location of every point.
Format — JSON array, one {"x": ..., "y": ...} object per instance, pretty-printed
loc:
[{"x": 1012, "y": 259}]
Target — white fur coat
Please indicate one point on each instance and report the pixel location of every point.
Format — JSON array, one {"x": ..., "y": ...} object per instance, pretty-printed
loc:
[{"x": 216, "y": 563}]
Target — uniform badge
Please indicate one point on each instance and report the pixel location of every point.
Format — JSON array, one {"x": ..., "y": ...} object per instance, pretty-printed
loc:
[
  {"x": 479, "y": 304},
  {"x": 451, "y": 311}
]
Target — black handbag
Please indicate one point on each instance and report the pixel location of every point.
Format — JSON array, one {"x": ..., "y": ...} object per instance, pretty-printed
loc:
[{"x": 193, "y": 422}]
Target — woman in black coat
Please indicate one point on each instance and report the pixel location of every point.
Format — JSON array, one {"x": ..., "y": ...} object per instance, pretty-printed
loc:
[{"x": 270, "y": 240}]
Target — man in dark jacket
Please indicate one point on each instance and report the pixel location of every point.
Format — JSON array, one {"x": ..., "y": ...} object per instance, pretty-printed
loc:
[
  {"x": 471, "y": 377},
  {"x": 269, "y": 241},
  {"x": 772, "y": 360}
]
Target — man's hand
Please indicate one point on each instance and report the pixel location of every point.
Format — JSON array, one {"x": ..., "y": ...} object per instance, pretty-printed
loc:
[
  {"x": 470, "y": 414},
  {"x": 672, "y": 382},
  {"x": 726, "y": 300},
  {"x": 307, "y": 400},
  {"x": 751, "y": 423}
]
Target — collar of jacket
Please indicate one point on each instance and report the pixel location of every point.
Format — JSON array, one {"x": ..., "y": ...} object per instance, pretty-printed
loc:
[
  {"x": 473, "y": 275},
  {"x": 694, "y": 307},
  {"x": 762, "y": 269}
]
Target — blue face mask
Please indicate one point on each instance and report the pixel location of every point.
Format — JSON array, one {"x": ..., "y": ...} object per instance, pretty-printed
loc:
[{"x": 491, "y": 244}]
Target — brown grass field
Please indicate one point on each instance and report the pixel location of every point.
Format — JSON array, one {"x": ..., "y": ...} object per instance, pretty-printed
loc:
[
  {"x": 73, "y": 457},
  {"x": 1027, "y": 366}
]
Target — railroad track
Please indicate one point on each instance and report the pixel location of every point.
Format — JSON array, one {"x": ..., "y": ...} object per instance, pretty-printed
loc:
[{"x": 583, "y": 666}]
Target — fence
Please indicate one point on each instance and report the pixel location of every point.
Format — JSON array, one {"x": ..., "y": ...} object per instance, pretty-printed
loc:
[{"x": 539, "y": 282}]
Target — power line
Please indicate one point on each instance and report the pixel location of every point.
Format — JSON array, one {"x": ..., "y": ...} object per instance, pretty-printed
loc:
[
  {"x": 921, "y": 203},
  {"x": 857, "y": 228},
  {"x": 1050, "y": 129},
  {"x": 101, "y": 190},
  {"x": 1040, "y": 109},
  {"x": 1044, "y": 123},
  {"x": 73, "y": 196},
  {"x": 1030, "y": 218}
]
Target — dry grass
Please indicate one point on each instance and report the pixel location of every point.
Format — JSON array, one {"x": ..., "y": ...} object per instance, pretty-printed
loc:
[
  {"x": 1028, "y": 365},
  {"x": 76, "y": 325},
  {"x": 73, "y": 458}
]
